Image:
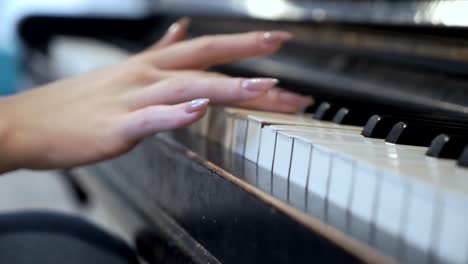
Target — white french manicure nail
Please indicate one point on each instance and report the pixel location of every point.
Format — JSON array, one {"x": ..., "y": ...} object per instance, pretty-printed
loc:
[
  {"x": 197, "y": 105},
  {"x": 258, "y": 84},
  {"x": 181, "y": 23},
  {"x": 275, "y": 38}
]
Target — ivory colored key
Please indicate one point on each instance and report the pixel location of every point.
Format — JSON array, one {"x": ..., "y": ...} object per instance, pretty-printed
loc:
[
  {"x": 275, "y": 152},
  {"x": 399, "y": 205},
  {"x": 238, "y": 139},
  {"x": 418, "y": 211},
  {"x": 299, "y": 173},
  {"x": 257, "y": 122},
  {"x": 418, "y": 229},
  {"x": 269, "y": 144},
  {"x": 451, "y": 240},
  {"x": 363, "y": 201}
]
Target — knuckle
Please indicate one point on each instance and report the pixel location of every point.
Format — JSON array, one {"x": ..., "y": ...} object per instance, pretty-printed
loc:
[
  {"x": 141, "y": 74},
  {"x": 178, "y": 85},
  {"x": 258, "y": 37}
]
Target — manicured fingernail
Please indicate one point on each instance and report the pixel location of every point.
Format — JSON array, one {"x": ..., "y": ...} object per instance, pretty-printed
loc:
[
  {"x": 275, "y": 38},
  {"x": 258, "y": 84},
  {"x": 182, "y": 23},
  {"x": 197, "y": 105}
]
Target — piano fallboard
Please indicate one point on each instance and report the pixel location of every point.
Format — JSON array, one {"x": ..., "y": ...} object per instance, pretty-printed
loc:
[{"x": 206, "y": 190}]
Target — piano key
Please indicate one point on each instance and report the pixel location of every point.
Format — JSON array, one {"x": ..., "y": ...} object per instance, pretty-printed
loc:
[
  {"x": 364, "y": 197},
  {"x": 257, "y": 121},
  {"x": 378, "y": 126},
  {"x": 391, "y": 200},
  {"x": 325, "y": 111},
  {"x": 415, "y": 171},
  {"x": 282, "y": 159},
  {"x": 269, "y": 144},
  {"x": 330, "y": 144},
  {"x": 217, "y": 125},
  {"x": 267, "y": 148},
  {"x": 419, "y": 134},
  {"x": 299, "y": 173},
  {"x": 341, "y": 181},
  {"x": 419, "y": 228},
  {"x": 447, "y": 146},
  {"x": 281, "y": 166},
  {"x": 228, "y": 131},
  {"x": 346, "y": 116},
  {"x": 463, "y": 159},
  {"x": 452, "y": 239},
  {"x": 238, "y": 137}
]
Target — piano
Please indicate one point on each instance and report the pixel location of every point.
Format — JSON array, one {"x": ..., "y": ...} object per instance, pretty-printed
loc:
[{"x": 375, "y": 172}]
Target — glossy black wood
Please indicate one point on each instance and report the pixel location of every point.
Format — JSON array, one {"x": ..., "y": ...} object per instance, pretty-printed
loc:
[{"x": 234, "y": 225}]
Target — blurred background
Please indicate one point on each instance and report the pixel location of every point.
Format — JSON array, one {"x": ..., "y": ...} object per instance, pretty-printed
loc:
[{"x": 13, "y": 13}]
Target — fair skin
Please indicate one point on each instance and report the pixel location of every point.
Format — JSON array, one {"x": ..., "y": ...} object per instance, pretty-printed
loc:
[{"x": 105, "y": 113}]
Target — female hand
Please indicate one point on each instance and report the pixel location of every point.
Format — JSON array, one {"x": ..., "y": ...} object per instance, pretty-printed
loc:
[{"x": 106, "y": 112}]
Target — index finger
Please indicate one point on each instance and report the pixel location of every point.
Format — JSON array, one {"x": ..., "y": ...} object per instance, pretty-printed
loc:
[{"x": 204, "y": 52}]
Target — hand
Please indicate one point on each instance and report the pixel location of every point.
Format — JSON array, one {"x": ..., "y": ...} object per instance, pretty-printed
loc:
[{"x": 106, "y": 112}]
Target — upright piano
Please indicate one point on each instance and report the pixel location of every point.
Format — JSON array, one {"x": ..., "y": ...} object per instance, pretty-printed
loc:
[{"x": 375, "y": 172}]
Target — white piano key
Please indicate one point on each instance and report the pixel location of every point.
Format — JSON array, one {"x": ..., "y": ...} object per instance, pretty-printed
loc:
[
  {"x": 341, "y": 181},
  {"x": 319, "y": 171},
  {"x": 228, "y": 130},
  {"x": 419, "y": 223},
  {"x": 298, "y": 175},
  {"x": 391, "y": 209},
  {"x": 394, "y": 205},
  {"x": 217, "y": 125},
  {"x": 240, "y": 133},
  {"x": 363, "y": 201},
  {"x": 282, "y": 157},
  {"x": 452, "y": 241},
  {"x": 300, "y": 162},
  {"x": 265, "y": 154},
  {"x": 252, "y": 140},
  {"x": 267, "y": 148},
  {"x": 257, "y": 121},
  {"x": 281, "y": 165}
]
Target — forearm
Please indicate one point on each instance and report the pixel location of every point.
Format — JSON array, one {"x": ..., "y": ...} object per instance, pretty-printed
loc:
[{"x": 6, "y": 163}]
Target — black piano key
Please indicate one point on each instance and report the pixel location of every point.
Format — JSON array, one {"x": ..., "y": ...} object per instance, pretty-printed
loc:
[
  {"x": 420, "y": 134},
  {"x": 378, "y": 126},
  {"x": 347, "y": 116},
  {"x": 325, "y": 111},
  {"x": 463, "y": 159},
  {"x": 447, "y": 146}
]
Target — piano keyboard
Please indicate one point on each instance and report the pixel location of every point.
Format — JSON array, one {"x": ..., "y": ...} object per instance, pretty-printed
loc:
[{"x": 405, "y": 197}]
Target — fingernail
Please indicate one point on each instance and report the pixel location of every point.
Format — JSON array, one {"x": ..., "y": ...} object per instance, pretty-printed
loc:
[
  {"x": 258, "y": 84},
  {"x": 197, "y": 105},
  {"x": 180, "y": 24},
  {"x": 275, "y": 38}
]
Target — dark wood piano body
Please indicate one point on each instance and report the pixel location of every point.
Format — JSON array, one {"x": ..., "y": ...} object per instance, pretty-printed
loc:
[{"x": 377, "y": 56}]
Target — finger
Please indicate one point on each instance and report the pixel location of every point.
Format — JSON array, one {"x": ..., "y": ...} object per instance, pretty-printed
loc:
[
  {"x": 218, "y": 90},
  {"x": 191, "y": 73},
  {"x": 158, "y": 118},
  {"x": 176, "y": 32},
  {"x": 277, "y": 100},
  {"x": 204, "y": 52}
]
